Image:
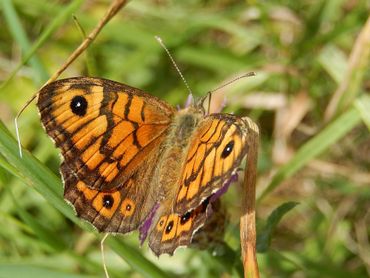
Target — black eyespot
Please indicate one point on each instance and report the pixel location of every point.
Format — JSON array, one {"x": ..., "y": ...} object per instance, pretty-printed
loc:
[
  {"x": 79, "y": 105},
  {"x": 228, "y": 149},
  {"x": 185, "y": 218},
  {"x": 108, "y": 201},
  {"x": 169, "y": 227},
  {"x": 128, "y": 207},
  {"x": 161, "y": 223}
]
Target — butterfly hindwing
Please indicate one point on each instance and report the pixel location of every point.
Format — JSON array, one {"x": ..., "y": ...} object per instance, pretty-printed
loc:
[
  {"x": 120, "y": 210},
  {"x": 170, "y": 230}
]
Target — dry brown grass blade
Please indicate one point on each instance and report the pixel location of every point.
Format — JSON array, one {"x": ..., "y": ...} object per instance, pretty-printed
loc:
[
  {"x": 111, "y": 12},
  {"x": 248, "y": 216},
  {"x": 287, "y": 119}
]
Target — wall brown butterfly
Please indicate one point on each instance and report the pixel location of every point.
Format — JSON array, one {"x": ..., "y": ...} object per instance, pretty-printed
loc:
[{"x": 131, "y": 161}]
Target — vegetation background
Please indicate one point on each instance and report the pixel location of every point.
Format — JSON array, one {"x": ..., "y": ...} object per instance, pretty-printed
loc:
[{"x": 309, "y": 98}]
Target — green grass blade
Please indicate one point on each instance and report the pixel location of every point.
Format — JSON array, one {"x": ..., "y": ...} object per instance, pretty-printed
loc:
[
  {"x": 8, "y": 167},
  {"x": 334, "y": 62},
  {"x": 29, "y": 271},
  {"x": 147, "y": 270},
  {"x": 89, "y": 55},
  {"x": 264, "y": 236},
  {"x": 359, "y": 66},
  {"x": 45, "y": 234},
  {"x": 314, "y": 147},
  {"x": 209, "y": 59},
  {"x": 19, "y": 34},
  {"x": 34, "y": 173},
  {"x": 63, "y": 15},
  {"x": 363, "y": 106}
]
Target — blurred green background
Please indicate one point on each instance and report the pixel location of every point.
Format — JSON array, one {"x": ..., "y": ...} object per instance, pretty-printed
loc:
[{"x": 309, "y": 98}]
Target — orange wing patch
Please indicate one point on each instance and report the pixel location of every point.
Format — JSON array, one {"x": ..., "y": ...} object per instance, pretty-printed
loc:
[
  {"x": 185, "y": 223},
  {"x": 122, "y": 130},
  {"x": 127, "y": 207},
  {"x": 91, "y": 156},
  {"x": 88, "y": 193},
  {"x": 170, "y": 227},
  {"x": 208, "y": 164},
  {"x": 161, "y": 222},
  {"x": 136, "y": 106},
  {"x": 107, "y": 203},
  {"x": 193, "y": 187},
  {"x": 109, "y": 171}
]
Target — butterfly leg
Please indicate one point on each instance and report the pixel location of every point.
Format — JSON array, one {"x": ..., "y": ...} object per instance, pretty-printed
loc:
[{"x": 103, "y": 256}]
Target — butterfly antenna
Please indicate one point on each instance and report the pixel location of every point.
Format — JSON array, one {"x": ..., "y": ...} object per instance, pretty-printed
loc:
[
  {"x": 103, "y": 256},
  {"x": 209, "y": 93},
  {"x": 174, "y": 63},
  {"x": 248, "y": 74},
  {"x": 16, "y": 123}
]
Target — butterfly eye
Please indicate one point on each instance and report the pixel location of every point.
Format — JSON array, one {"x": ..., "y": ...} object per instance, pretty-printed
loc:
[
  {"x": 79, "y": 105},
  {"x": 108, "y": 201},
  {"x": 228, "y": 149}
]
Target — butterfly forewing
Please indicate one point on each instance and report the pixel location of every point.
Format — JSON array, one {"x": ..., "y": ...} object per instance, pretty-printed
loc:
[
  {"x": 105, "y": 130},
  {"x": 216, "y": 149}
]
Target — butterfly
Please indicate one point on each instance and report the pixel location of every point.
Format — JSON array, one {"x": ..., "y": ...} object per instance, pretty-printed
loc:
[{"x": 132, "y": 161}]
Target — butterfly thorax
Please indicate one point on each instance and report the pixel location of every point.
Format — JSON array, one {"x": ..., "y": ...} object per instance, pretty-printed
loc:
[{"x": 184, "y": 125}]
